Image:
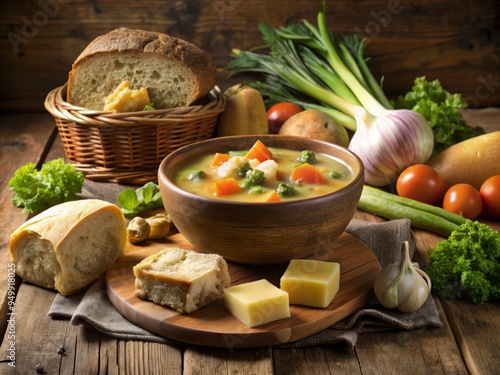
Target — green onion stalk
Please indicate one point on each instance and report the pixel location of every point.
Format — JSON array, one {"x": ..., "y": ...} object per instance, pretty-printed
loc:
[{"x": 316, "y": 69}]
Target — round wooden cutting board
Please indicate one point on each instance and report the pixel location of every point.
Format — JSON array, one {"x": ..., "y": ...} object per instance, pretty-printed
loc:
[{"x": 214, "y": 326}]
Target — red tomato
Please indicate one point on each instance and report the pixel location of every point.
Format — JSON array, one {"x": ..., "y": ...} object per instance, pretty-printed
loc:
[
  {"x": 279, "y": 113},
  {"x": 490, "y": 195},
  {"x": 421, "y": 183},
  {"x": 463, "y": 199}
]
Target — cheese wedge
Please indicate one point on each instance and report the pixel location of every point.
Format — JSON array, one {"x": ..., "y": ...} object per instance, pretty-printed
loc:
[
  {"x": 257, "y": 302},
  {"x": 311, "y": 282}
]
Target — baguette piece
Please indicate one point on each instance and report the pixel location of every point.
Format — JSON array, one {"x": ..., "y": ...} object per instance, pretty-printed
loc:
[
  {"x": 175, "y": 73},
  {"x": 182, "y": 279},
  {"x": 69, "y": 246}
]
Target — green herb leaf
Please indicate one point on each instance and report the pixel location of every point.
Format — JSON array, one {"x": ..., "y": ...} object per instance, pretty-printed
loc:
[
  {"x": 134, "y": 201},
  {"x": 128, "y": 199},
  {"x": 147, "y": 192}
]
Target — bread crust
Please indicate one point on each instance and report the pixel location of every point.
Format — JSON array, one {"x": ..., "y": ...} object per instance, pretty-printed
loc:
[
  {"x": 135, "y": 41},
  {"x": 64, "y": 216},
  {"x": 142, "y": 273}
]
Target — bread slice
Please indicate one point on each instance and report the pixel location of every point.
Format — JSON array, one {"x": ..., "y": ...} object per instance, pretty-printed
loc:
[
  {"x": 182, "y": 279},
  {"x": 176, "y": 73},
  {"x": 69, "y": 246}
]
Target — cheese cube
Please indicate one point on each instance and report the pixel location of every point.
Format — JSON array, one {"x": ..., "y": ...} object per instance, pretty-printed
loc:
[
  {"x": 257, "y": 302},
  {"x": 311, "y": 282}
]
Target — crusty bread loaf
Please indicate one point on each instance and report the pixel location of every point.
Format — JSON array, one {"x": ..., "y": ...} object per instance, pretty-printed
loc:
[
  {"x": 69, "y": 246},
  {"x": 182, "y": 279},
  {"x": 176, "y": 73}
]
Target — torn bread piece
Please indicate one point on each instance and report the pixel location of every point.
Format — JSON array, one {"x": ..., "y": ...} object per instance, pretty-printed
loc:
[
  {"x": 181, "y": 279},
  {"x": 69, "y": 246}
]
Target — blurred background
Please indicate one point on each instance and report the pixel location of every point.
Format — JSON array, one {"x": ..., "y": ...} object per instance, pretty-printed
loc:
[{"x": 455, "y": 41}]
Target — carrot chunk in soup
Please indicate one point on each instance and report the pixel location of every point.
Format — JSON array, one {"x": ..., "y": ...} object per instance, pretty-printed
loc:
[
  {"x": 225, "y": 186},
  {"x": 306, "y": 173},
  {"x": 260, "y": 152}
]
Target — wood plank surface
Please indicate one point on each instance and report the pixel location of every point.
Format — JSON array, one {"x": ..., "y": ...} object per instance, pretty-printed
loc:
[
  {"x": 309, "y": 360},
  {"x": 43, "y": 339},
  {"x": 476, "y": 327},
  {"x": 23, "y": 138},
  {"x": 214, "y": 326},
  {"x": 253, "y": 361}
]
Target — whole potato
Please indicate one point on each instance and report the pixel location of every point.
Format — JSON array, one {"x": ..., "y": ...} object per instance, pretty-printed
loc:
[{"x": 315, "y": 124}]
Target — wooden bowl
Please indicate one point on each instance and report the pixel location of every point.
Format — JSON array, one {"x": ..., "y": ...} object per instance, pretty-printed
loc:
[{"x": 260, "y": 233}]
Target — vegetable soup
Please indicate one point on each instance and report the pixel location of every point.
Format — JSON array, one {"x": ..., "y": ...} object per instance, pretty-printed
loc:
[{"x": 263, "y": 174}]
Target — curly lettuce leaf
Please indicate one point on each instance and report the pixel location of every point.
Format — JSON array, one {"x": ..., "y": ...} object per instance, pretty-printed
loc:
[
  {"x": 56, "y": 182},
  {"x": 441, "y": 109}
]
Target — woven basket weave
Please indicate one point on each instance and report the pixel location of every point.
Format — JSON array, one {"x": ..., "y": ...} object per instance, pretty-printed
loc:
[{"x": 128, "y": 147}]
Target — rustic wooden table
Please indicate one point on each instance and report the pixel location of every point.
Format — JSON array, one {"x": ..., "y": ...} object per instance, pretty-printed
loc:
[{"x": 467, "y": 344}]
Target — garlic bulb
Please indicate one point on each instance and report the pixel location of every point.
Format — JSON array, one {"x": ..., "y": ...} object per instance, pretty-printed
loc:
[
  {"x": 160, "y": 226},
  {"x": 389, "y": 142},
  {"x": 402, "y": 286}
]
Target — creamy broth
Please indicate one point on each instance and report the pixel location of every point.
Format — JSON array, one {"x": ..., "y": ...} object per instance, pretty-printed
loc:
[{"x": 286, "y": 161}]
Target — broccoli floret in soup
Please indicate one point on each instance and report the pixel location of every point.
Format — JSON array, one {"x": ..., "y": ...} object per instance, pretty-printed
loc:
[
  {"x": 307, "y": 156},
  {"x": 253, "y": 177}
]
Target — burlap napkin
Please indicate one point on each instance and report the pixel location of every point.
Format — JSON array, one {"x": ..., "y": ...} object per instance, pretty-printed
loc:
[{"x": 93, "y": 308}]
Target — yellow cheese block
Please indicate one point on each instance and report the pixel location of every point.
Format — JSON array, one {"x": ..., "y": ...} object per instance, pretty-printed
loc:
[
  {"x": 311, "y": 282},
  {"x": 257, "y": 302},
  {"x": 123, "y": 99}
]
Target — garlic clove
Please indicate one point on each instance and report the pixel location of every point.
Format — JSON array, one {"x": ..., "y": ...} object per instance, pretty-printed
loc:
[
  {"x": 420, "y": 292},
  {"x": 138, "y": 230},
  {"x": 160, "y": 226},
  {"x": 385, "y": 287}
]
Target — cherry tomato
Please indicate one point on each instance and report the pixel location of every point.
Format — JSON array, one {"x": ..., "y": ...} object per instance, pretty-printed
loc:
[
  {"x": 463, "y": 199},
  {"x": 279, "y": 113},
  {"x": 421, "y": 183},
  {"x": 490, "y": 195}
]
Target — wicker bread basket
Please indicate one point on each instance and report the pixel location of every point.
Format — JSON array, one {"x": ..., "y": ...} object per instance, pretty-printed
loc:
[{"x": 128, "y": 147}]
